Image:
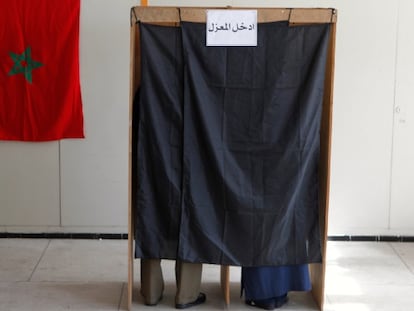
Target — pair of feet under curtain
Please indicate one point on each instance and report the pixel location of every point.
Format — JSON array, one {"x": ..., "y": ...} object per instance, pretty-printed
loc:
[{"x": 270, "y": 284}]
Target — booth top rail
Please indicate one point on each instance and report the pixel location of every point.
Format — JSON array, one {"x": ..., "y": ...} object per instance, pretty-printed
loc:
[{"x": 154, "y": 14}]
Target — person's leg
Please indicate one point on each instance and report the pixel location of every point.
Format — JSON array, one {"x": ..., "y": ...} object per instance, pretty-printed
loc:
[
  {"x": 152, "y": 282},
  {"x": 188, "y": 278}
]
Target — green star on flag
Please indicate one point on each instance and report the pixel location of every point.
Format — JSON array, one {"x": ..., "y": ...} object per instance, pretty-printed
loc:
[{"x": 23, "y": 63}]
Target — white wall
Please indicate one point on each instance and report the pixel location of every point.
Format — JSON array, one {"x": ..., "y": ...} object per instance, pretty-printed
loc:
[
  {"x": 402, "y": 194},
  {"x": 81, "y": 185}
]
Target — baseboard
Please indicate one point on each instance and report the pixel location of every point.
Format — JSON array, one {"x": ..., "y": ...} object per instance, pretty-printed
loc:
[
  {"x": 371, "y": 238},
  {"x": 61, "y": 235},
  {"x": 124, "y": 236}
]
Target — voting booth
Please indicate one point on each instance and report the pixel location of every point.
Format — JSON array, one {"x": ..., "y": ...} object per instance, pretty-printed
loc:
[{"x": 235, "y": 137}]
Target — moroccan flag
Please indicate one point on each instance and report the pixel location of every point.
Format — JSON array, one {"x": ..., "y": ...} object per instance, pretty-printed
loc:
[{"x": 40, "y": 97}]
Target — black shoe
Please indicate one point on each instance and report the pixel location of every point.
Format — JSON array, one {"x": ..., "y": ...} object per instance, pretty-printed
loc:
[
  {"x": 267, "y": 304},
  {"x": 200, "y": 299},
  {"x": 280, "y": 301}
]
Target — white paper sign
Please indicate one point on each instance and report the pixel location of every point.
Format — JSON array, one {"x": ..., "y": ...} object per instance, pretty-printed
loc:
[{"x": 231, "y": 28}]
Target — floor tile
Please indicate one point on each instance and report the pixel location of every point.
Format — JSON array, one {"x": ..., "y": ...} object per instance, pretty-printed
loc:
[
  {"x": 45, "y": 296},
  {"x": 83, "y": 261},
  {"x": 406, "y": 253},
  {"x": 328, "y": 305},
  {"x": 351, "y": 265},
  {"x": 374, "y": 298},
  {"x": 19, "y": 258},
  {"x": 92, "y": 275}
]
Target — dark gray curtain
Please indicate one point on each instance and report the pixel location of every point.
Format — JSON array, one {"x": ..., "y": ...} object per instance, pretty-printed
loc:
[{"x": 234, "y": 178}]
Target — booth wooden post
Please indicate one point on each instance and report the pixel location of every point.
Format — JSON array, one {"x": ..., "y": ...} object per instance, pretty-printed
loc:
[
  {"x": 318, "y": 270},
  {"x": 130, "y": 210},
  {"x": 134, "y": 82},
  {"x": 135, "y": 79}
]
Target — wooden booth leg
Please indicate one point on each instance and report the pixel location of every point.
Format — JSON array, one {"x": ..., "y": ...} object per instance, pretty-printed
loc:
[
  {"x": 225, "y": 283},
  {"x": 318, "y": 270}
]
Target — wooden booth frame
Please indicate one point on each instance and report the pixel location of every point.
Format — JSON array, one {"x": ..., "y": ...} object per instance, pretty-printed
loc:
[{"x": 171, "y": 16}]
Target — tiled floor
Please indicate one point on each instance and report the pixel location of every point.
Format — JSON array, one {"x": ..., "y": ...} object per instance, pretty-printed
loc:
[{"x": 43, "y": 275}]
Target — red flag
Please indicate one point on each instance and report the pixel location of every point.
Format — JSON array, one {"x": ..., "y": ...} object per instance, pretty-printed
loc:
[{"x": 40, "y": 96}]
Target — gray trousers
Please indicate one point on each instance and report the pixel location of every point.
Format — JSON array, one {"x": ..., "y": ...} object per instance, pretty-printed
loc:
[{"x": 187, "y": 275}]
